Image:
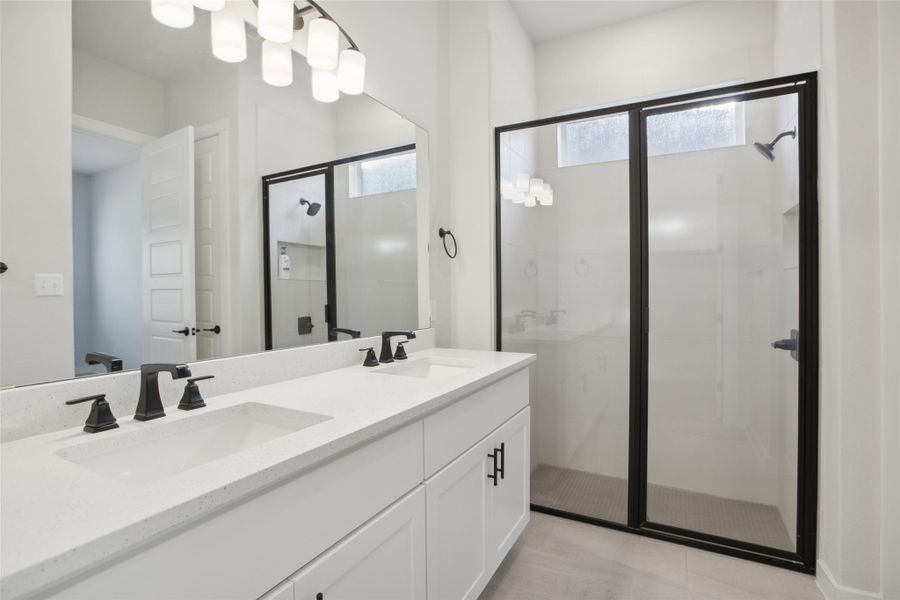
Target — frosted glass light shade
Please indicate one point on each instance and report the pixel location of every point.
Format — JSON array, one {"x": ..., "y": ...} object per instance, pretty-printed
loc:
[
  {"x": 535, "y": 186},
  {"x": 351, "y": 72},
  {"x": 210, "y": 5},
  {"x": 506, "y": 188},
  {"x": 546, "y": 197},
  {"x": 517, "y": 197},
  {"x": 277, "y": 64},
  {"x": 522, "y": 182},
  {"x": 226, "y": 32},
  {"x": 275, "y": 20},
  {"x": 174, "y": 13},
  {"x": 325, "y": 85},
  {"x": 530, "y": 201},
  {"x": 322, "y": 47}
]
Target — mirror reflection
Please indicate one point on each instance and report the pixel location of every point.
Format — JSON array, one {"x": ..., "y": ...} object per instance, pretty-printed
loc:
[{"x": 216, "y": 214}]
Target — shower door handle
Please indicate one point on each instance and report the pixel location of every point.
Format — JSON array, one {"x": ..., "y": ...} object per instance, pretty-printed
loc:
[{"x": 792, "y": 344}]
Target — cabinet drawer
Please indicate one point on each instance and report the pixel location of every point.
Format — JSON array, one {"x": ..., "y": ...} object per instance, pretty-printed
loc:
[
  {"x": 453, "y": 430},
  {"x": 385, "y": 559},
  {"x": 243, "y": 551}
]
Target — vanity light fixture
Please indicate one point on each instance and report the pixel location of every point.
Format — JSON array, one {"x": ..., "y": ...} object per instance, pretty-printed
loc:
[
  {"x": 226, "y": 32},
  {"x": 333, "y": 70},
  {"x": 275, "y": 20},
  {"x": 527, "y": 190},
  {"x": 277, "y": 64},
  {"x": 174, "y": 13}
]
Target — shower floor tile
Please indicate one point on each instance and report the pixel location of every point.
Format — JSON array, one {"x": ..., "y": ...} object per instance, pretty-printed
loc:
[{"x": 606, "y": 498}]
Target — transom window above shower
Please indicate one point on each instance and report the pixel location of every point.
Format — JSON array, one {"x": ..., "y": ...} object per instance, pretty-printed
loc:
[
  {"x": 605, "y": 139},
  {"x": 392, "y": 173}
]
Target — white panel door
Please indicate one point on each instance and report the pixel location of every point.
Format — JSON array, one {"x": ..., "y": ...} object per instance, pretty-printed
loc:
[
  {"x": 508, "y": 501},
  {"x": 168, "y": 297},
  {"x": 457, "y": 527},
  {"x": 383, "y": 560},
  {"x": 209, "y": 250}
]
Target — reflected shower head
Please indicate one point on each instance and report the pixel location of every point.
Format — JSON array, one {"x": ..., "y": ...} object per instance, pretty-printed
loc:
[
  {"x": 768, "y": 150},
  {"x": 313, "y": 207}
]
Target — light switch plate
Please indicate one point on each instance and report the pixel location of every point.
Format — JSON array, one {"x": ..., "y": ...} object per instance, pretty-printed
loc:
[{"x": 48, "y": 284}]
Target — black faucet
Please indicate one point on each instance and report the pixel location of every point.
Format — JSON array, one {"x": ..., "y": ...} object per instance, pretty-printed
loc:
[
  {"x": 150, "y": 404},
  {"x": 353, "y": 333},
  {"x": 110, "y": 362},
  {"x": 387, "y": 355},
  {"x": 518, "y": 326}
]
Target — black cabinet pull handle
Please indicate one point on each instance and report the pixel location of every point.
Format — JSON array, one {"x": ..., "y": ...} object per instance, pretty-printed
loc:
[
  {"x": 502, "y": 451},
  {"x": 185, "y": 331},
  {"x": 216, "y": 330},
  {"x": 493, "y": 476}
]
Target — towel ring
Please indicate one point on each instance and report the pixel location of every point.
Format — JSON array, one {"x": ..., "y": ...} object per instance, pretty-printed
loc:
[{"x": 443, "y": 233}]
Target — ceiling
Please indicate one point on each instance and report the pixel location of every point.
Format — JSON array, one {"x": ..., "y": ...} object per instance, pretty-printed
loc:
[
  {"x": 546, "y": 20},
  {"x": 93, "y": 154}
]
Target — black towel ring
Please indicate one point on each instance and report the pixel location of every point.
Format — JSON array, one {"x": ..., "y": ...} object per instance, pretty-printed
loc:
[{"x": 443, "y": 233}]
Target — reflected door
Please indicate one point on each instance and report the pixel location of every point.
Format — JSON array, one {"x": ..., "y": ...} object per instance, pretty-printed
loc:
[{"x": 723, "y": 291}]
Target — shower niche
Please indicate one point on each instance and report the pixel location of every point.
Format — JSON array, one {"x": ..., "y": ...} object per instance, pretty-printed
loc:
[{"x": 663, "y": 400}]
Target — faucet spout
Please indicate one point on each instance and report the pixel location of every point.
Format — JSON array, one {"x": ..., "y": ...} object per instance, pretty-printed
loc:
[
  {"x": 387, "y": 355},
  {"x": 150, "y": 404}
]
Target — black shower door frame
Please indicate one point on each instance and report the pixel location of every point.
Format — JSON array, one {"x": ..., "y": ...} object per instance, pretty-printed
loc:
[{"x": 804, "y": 87}]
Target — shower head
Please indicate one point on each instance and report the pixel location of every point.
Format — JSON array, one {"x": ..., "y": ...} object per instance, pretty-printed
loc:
[
  {"x": 768, "y": 150},
  {"x": 313, "y": 207}
]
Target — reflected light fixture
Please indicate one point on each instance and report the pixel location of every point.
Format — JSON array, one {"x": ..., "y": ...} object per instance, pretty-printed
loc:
[
  {"x": 174, "y": 13},
  {"x": 334, "y": 70},
  {"x": 325, "y": 85},
  {"x": 527, "y": 190},
  {"x": 210, "y": 5},
  {"x": 226, "y": 33},
  {"x": 277, "y": 64}
]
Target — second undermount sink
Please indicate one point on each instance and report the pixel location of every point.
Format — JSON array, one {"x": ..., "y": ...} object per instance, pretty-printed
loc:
[
  {"x": 426, "y": 368},
  {"x": 162, "y": 449}
]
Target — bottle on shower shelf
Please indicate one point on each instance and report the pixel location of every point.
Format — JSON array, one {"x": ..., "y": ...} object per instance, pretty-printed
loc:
[{"x": 284, "y": 264}]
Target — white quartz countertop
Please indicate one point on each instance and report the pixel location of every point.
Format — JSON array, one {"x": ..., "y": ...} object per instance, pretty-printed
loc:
[{"x": 58, "y": 518}]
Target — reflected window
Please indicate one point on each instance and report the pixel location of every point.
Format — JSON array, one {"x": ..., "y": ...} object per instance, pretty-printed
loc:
[{"x": 392, "y": 173}]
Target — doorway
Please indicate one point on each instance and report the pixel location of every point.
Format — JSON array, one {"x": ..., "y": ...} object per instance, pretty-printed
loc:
[{"x": 660, "y": 259}]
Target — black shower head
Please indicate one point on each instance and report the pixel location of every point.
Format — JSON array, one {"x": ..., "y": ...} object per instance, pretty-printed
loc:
[
  {"x": 313, "y": 207},
  {"x": 768, "y": 150}
]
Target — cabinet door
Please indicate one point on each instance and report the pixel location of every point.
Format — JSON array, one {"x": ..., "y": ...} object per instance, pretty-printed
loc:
[
  {"x": 457, "y": 527},
  {"x": 383, "y": 560},
  {"x": 508, "y": 501}
]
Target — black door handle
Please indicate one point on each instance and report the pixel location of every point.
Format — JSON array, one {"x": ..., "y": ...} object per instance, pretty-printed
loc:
[
  {"x": 216, "y": 330},
  {"x": 186, "y": 331},
  {"x": 791, "y": 344}
]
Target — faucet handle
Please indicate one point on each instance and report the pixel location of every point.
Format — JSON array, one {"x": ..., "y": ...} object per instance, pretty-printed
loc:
[
  {"x": 191, "y": 397},
  {"x": 400, "y": 353},
  {"x": 101, "y": 417},
  {"x": 370, "y": 361}
]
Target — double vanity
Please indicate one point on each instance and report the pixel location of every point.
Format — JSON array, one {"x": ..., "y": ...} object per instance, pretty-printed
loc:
[{"x": 407, "y": 480}]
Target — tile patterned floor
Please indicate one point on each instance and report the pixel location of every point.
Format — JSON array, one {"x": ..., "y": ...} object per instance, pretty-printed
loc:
[{"x": 559, "y": 559}]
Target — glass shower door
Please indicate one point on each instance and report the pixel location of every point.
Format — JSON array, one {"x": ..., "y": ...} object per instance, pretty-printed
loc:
[
  {"x": 723, "y": 291},
  {"x": 564, "y": 295}
]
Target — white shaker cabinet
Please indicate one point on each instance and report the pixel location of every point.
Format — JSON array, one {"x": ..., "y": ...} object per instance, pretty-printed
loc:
[
  {"x": 509, "y": 500},
  {"x": 477, "y": 507},
  {"x": 383, "y": 560}
]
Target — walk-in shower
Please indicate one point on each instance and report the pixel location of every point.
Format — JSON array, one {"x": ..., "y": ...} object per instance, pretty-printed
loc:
[{"x": 651, "y": 290}]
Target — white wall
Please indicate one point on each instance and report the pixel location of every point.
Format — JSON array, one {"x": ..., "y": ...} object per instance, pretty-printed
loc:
[
  {"x": 690, "y": 46},
  {"x": 116, "y": 264},
  {"x": 35, "y": 190},
  {"x": 138, "y": 103},
  {"x": 858, "y": 532},
  {"x": 81, "y": 270}
]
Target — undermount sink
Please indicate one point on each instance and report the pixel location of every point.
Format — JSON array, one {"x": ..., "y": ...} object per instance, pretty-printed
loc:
[
  {"x": 426, "y": 368},
  {"x": 161, "y": 449}
]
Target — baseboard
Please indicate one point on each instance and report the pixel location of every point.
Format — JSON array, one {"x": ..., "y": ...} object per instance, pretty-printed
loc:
[{"x": 832, "y": 590}]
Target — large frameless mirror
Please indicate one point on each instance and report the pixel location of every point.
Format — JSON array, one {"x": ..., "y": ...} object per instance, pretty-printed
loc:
[{"x": 175, "y": 254}]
